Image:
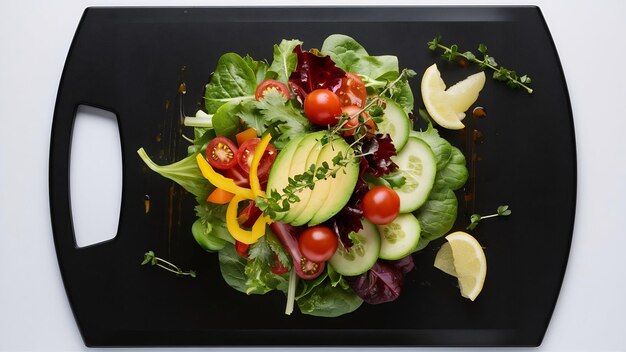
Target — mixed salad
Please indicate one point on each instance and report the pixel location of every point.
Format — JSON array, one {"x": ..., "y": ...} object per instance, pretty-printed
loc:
[{"x": 309, "y": 178}]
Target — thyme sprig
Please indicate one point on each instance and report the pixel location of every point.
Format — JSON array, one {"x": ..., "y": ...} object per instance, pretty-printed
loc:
[
  {"x": 372, "y": 106},
  {"x": 151, "y": 258},
  {"x": 510, "y": 77}
]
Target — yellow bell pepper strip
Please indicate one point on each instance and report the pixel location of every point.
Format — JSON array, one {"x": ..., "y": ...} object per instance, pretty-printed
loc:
[
  {"x": 255, "y": 185},
  {"x": 241, "y": 235},
  {"x": 222, "y": 182}
]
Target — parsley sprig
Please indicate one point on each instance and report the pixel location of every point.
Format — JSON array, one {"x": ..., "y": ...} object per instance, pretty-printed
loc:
[
  {"x": 510, "y": 77},
  {"x": 277, "y": 202},
  {"x": 150, "y": 257},
  {"x": 502, "y": 210}
]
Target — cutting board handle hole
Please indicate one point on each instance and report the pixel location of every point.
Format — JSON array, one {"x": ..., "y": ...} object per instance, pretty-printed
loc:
[{"x": 95, "y": 175}]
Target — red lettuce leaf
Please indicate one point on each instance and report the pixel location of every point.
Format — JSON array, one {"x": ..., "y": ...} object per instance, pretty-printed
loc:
[
  {"x": 383, "y": 282},
  {"x": 314, "y": 72},
  {"x": 378, "y": 152}
]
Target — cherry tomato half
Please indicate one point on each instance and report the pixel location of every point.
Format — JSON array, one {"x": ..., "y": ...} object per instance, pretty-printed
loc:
[
  {"x": 269, "y": 84},
  {"x": 351, "y": 126},
  {"x": 220, "y": 153},
  {"x": 249, "y": 215},
  {"x": 246, "y": 153},
  {"x": 318, "y": 243},
  {"x": 322, "y": 107},
  {"x": 381, "y": 205},
  {"x": 352, "y": 91}
]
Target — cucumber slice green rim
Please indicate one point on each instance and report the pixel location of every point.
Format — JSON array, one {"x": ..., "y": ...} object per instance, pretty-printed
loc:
[
  {"x": 417, "y": 163},
  {"x": 396, "y": 123},
  {"x": 400, "y": 237},
  {"x": 362, "y": 255}
]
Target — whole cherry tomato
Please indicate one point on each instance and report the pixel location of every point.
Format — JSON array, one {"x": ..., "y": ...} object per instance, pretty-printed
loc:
[
  {"x": 322, "y": 107},
  {"x": 318, "y": 243},
  {"x": 381, "y": 205}
]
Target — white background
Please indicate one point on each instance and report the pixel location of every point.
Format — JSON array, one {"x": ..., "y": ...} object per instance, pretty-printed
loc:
[{"x": 34, "y": 41}]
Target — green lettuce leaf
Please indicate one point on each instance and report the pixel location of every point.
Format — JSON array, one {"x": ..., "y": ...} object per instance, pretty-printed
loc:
[
  {"x": 233, "y": 81},
  {"x": 184, "y": 172},
  {"x": 438, "y": 214},
  {"x": 285, "y": 60},
  {"x": 454, "y": 174},
  {"x": 440, "y": 147},
  {"x": 233, "y": 267},
  {"x": 261, "y": 280},
  {"x": 258, "y": 67}
]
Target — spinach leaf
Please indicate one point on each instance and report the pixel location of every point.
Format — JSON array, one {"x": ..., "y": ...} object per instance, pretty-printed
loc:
[
  {"x": 454, "y": 174},
  {"x": 438, "y": 214},
  {"x": 351, "y": 56},
  {"x": 232, "y": 267},
  {"x": 225, "y": 120},
  {"x": 185, "y": 172},
  {"x": 336, "y": 278},
  {"x": 285, "y": 60},
  {"x": 344, "y": 50},
  {"x": 440, "y": 147},
  {"x": 324, "y": 300},
  {"x": 233, "y": 81},
  {"x": 306, "y": 286},
  {"x": 212, "y": 216}
]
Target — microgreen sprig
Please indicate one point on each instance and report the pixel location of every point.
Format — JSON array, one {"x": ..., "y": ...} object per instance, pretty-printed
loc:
[
  {"x": 502, "y": 210},
  {"x": 510, "y": 77},
  {"x": 151, "y": 258}
]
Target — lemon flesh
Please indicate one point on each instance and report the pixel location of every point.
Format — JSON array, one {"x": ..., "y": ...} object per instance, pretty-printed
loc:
[
  {"x": 462, "y": 256},
  {"x": 447, "y": 107}
]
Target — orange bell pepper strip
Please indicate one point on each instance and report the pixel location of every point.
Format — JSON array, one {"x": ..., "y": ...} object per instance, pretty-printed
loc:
[
  {"x": 241, "y": 235},
  {"x": 245, "y": 135},
  {"x": 255, "y": 185},
  {"x": 220, "y": 196},
  {"x": 219, "y": 181}
]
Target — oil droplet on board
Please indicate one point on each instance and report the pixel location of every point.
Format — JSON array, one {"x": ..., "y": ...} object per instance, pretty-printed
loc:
[
  {"x": 479, "y": 112},
  {"x": 146, "y": 203},
  {"x": 182, "y": 88},
  {"x": 167, "y": 104},
  {"x": 478, "y": 137}
]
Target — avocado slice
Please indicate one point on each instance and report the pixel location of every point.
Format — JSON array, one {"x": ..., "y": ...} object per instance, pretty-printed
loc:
[
  {"x": 299, "y": 164},
  {"x": 322, "y": 188},
  {"x": 296, "y": 212},
  {"x": 279, "y": 173},
  {"x": 340, "y": 189}
]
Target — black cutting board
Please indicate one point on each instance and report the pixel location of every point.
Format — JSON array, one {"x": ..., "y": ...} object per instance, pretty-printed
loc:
[{"x": 132, "y": 60}]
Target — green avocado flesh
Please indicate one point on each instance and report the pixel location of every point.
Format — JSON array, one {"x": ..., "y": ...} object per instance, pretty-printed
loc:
[{"x": 329, "y": 195}]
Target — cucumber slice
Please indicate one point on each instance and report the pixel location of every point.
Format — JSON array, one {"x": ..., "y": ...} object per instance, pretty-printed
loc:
[
  {"x": 395, "y": 122},
  {"x": 361, "y": 256},
  {"x": 417, "y": 163},
  {"x": 400, "y": 237}
]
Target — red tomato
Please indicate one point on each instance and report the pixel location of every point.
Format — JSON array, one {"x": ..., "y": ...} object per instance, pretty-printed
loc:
[
  {"x": 318, "y": 243},
  {"x": 381, "y": 205},
  {"x": 352, "y": 91},
  {"x": 242, "y": 249},
  {"x": 351, "y": 125},
  {"x": 246, "y": 152},
  {"x": 269, "y": 84},
  {"x": 220, "y": 152},
  {"x": 249, "y": 215},
  {"x": 322, "y": 107},
  {"x": 238, "y": 175},
  {"x": 278, "y": 268}
]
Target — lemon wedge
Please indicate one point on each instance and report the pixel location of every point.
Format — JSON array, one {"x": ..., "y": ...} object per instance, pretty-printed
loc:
[
  {"x": 447, "y": 107},
  {"x": 463, "y": 257}
]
